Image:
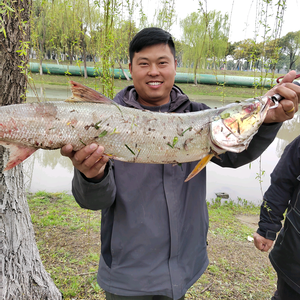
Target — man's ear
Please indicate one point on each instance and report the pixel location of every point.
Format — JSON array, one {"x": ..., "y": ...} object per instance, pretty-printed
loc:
[
  {"x": 130, "y": 68},
  {"x": 175, "y": 64}
]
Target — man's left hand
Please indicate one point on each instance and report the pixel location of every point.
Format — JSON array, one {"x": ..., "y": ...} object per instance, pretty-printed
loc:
[{"x": 289, "y": 105}]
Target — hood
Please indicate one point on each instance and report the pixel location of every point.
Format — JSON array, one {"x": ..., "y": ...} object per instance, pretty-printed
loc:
[{"x": 179, "y": 101}]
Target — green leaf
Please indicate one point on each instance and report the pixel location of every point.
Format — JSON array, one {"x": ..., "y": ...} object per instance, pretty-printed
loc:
[
  {"x": 103, "y": 133},
  {"x": 225, "y": 115},
  {"x": 97, "y": 125},
  {"x": 129, "y": 149},
  {"x": 175, "y": 140}
]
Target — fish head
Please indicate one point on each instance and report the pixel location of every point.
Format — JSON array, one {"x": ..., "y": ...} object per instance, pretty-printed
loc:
[{"x": 232, "y": 129}]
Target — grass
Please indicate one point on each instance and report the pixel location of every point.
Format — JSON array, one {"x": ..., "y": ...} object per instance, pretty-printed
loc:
[
  {"x": 68, "y": 239},
  {"x": 224, "y": 224}
]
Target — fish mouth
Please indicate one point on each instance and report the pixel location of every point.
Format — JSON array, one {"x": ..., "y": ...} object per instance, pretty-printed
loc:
[
  {"x": 234, "y": 131},
  {"x": 267, "y": 105}
]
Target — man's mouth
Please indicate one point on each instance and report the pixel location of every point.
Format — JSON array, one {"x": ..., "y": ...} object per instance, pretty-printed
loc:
[{"x": 154, "y": 83}]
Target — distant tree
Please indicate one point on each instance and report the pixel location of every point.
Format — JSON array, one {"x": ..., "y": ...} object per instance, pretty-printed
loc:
[
  {"x": 40, "y": 29},
  {"x": 231, "y": 48},
  {"x": 195, "y": 39},
  {"x": 290, "y": 44},
  {"x": 142, "y": 16},
  {"x": 125, "y": 31},
  {"x": 230, "y": 65},
  {"x": 271, "y": 53},
  {"x": 179, "y": 51},
  {"x": 283, "y": 62},
  {"x": 107, "y": 44},
  {"x": 218, "y": 31},
  {"x": 249, "y": 51},
  {"x": 205, "y": 35},
  {"x": 56, "y": 30},
  {"x": 86, "y": 15},
  {"x": 165, "y": 16},
  {"x": 72, "y": 28}
]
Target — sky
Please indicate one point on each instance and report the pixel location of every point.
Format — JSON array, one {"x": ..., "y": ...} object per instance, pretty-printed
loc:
[{"x": 241, "y": 12}]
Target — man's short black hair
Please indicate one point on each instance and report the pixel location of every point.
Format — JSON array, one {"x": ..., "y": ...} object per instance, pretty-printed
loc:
[{"x": 148, "y": 37}]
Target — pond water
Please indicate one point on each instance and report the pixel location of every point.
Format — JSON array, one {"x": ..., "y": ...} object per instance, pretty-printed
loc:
[{"x": 49, "y": 171}]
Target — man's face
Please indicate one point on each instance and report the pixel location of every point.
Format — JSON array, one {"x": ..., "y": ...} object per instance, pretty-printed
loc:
[{"x": 153, "y": 72}]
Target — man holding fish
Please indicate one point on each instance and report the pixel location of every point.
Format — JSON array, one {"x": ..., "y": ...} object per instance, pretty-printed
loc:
[{"x": 154, "y": 225}]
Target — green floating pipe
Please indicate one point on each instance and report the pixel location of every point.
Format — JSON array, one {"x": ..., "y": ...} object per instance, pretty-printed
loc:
[{"x": 179, "y": 78}]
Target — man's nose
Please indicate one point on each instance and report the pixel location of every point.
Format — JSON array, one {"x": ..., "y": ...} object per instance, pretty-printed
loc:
[{"x": 153, "y": 70}]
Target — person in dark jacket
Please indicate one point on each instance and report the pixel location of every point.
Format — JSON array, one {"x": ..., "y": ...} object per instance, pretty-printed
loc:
[
  {"x": 283, "y": 194},
  {"x": 154, "y": 225}
]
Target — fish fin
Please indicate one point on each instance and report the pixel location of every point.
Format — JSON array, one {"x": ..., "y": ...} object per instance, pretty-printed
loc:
[
  {"x": 200, "y": 166},
  {"x": 82, "y": 93},
  {"x": 17, "y": 153}
]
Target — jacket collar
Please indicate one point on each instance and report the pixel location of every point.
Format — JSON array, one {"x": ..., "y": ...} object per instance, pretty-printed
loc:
[{"x": 179, "y": 101}]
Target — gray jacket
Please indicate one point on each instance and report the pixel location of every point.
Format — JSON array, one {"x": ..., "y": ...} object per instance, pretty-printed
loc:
[{"x": 154, "y": 225}]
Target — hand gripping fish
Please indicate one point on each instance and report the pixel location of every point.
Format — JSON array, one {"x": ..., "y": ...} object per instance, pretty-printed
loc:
[{"x": 129, "y": 134}]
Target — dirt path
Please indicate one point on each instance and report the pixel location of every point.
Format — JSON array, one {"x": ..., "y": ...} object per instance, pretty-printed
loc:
[
  {"x": 237, "y": 269},
  {"x": 249, "y": 220}
]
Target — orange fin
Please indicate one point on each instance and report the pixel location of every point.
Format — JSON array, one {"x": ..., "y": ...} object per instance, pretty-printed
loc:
[
  {"x": 200, "y": 166},
  {"x": 82, "y": 93},
  {"x": 17, "y": 153}
]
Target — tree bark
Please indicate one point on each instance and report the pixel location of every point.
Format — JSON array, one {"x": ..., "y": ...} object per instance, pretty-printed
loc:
[
  {"x": 124, "y": 73},
  {"x": 22, "y": 275},
  {"x": 83, "y": 46}
]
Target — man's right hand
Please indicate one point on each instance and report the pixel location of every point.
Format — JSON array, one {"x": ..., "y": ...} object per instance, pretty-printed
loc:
[
  {"x": 89, "y": 160},
  {"x": 262, "y": 243}
]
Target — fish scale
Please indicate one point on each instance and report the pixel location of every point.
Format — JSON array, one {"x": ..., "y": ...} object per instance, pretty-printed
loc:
[{"x": 146, "y": 137}]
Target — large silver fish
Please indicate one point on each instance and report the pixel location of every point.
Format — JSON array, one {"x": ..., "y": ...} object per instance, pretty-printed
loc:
[{"x": 129, "y": 134}]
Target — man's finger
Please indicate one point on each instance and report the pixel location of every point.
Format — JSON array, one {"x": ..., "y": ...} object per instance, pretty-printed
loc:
[
  {"x": 67, "y": 150},
  {"x": 84, "y": 153},
  {"x": 290, "y": 111},
  {"x": 96, "y": 169},
  {"x": 93, "y": 158},
  {"x": 289, "y": 77}
]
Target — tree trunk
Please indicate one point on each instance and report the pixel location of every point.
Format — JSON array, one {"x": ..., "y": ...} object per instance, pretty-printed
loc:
[
  {"x": 84, "y": 59},
  {"x": 124, "y": 73},
  {"x": 84, "y": 64},
  {"x": 83, "y": 47},
  {"x": 22, "y": 275},
  {"x": 195, "y": 72},
  {"x": 41, "y": 66}
]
